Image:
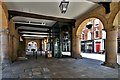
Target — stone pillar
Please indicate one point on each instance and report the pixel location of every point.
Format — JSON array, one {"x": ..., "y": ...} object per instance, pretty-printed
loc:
[
  {"x": 111, "y": 49},
  {"x": 4, "y": 46},
  {"x": 73, "y": 47},
  {"x": 78, "y": 47},
  {"x": 73, "y": 42}
]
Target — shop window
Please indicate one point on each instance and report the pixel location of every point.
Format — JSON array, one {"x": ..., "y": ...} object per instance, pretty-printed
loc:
[
  {"x": 89, "y": 47},
  {"x": 66, "y": 42},
  {"x": 97, "y": 34},
  {"x": 96, "y": 24}
]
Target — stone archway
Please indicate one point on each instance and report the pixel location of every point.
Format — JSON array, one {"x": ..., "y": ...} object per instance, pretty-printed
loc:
[
  {"x": 111, "y": 39},
  {"x": 116, "y": 21},
  {"x": 32, "y": 45},
  {"x": 107, "y": 20},
  {"x": 79, "y": 26},
  {"x": 79, "y": 32},
  {"x": 114, "y": 12},
  {"x": 35, "y": 40},
  {"x": 85, "y": 19},
  {"x": 82, "y": 23}
]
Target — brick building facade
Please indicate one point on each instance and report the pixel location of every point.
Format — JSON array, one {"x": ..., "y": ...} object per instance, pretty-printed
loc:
[{"x": 93, "y": 38}]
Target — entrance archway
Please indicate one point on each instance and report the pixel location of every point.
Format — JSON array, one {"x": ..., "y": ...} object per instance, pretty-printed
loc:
[
  {"x": 83, "y": 24},
  {"x": 31, "y": 45},
  {"x": 31, "y": 48},
  {"x": 91, "y": 38}
]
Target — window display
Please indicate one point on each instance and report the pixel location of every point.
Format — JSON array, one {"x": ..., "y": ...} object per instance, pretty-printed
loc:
[{"x": 66, "y": 42}]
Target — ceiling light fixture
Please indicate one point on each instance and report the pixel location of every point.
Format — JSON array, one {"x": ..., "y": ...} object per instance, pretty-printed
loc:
[
  {"x": 34, "y": 32},
  {"x": 25, "y": 35},
  {"x": 63, "y": 6},
  {"x": 30, "y": 22}
]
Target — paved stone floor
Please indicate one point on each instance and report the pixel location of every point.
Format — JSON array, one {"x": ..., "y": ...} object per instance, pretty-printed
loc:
[
  {"x": 94, "y": 56},
  {"x": 58, "y": 68},
  {"x": 101, "y": 56}
]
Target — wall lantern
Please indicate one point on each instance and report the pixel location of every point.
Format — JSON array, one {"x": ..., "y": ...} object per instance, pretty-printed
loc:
[
  {"x": 89, "y": 26},
  {"x": 63, "y": 6}
]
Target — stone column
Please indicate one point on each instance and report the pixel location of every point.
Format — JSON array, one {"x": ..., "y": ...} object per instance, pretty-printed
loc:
[
  {"x": 111, "y": 49},
  {"x": 4, "y": 46},
  {"x": 78, "y": 47},
  {"x": 73, "y": 42},
  {"x": 73, "y": 47}
]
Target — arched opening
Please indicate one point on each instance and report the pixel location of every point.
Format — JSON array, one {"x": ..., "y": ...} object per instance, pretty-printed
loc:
[
  {"x": 116, "y": 24},
  {"x": 92, "y": 39},
  {"x": 32, "y": 45},
  {"x": 31, "y": 48}
]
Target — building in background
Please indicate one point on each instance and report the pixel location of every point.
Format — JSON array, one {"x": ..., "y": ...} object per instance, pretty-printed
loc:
[{"x": 93, "y": 37}]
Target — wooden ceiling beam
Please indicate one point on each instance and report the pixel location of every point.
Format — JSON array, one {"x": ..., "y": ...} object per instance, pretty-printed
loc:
[
  {"x": 13, "y": 13},
  {"x": 33, "y": 34},
  {"x": 20, "y": 30},
  {"x": 31, "y": 25}
]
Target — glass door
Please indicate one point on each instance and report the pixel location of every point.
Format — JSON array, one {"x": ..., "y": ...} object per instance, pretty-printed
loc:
[{"x": 66, "y": 44}]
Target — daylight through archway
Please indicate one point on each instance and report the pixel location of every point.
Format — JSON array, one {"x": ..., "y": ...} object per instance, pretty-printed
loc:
[{"x": 92, "y": 39}]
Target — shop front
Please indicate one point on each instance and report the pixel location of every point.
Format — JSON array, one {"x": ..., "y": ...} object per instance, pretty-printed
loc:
[
  {"x": 87, "y": 46},
  {"x": 62, "y": 42}
]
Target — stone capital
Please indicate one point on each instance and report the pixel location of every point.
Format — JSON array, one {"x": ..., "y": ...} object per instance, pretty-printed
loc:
[
  {"x": 111, "y": 28},
  {"x": 78, "y": 36}
]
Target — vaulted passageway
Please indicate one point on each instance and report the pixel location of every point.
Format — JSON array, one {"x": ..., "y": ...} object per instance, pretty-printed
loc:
[{"x": 57, "y": 36}]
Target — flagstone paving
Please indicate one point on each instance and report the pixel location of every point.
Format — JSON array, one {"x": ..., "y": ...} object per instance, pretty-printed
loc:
[{"x": 58, "y": 68}]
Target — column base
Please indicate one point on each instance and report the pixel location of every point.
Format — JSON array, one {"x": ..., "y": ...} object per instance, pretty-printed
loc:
[
  {"x": 5, "y": 63},
  {"x": 78, "y": 56},
  {"x": 112, "y": 65}
]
